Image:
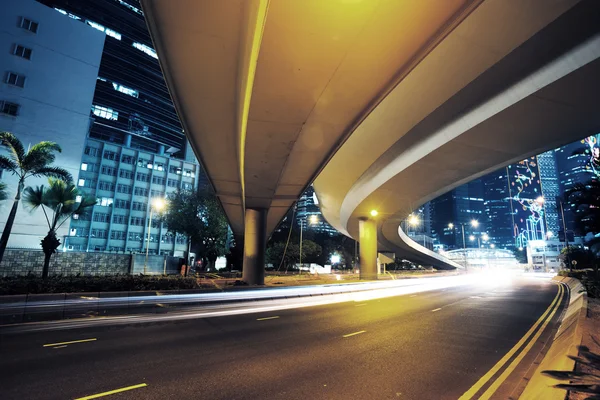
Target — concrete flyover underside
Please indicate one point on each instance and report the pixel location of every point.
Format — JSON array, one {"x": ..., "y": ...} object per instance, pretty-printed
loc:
[
  {"x": 495, "y": 91},
  {"x": 273, "y": 94}
]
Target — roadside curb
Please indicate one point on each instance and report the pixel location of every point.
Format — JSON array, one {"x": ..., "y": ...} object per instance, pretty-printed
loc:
[{"x": 565, "y": 344}]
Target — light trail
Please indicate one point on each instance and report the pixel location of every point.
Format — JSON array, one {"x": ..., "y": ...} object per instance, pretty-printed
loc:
[{"x": 283, "y": 299}]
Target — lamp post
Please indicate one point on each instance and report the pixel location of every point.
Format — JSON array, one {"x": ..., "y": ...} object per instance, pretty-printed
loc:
[
  {"x": 474, "y": 224},
  {"x": 312, "y": 220},
  {"x": 158, "y": 204},
  {"x": 414, "y": 221}
]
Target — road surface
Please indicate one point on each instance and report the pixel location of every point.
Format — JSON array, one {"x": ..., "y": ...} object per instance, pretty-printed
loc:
[{"x": 430, "y": 345}]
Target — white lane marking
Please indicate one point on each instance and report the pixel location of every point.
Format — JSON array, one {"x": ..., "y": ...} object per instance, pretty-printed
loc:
[
  {"x": 352, "y": 334},
  {"x": 267, "y": 318},
  {"x": 414, "y": 295},
  {"x": 437, "y": 309},
  {"x": 59, "y": 347}
]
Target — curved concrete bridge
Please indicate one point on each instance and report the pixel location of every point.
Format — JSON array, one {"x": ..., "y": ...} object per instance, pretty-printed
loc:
[{"x": 383, "y": 104}]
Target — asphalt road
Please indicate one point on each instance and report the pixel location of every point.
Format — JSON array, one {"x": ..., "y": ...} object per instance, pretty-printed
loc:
[{"x": 431, "y": 345}]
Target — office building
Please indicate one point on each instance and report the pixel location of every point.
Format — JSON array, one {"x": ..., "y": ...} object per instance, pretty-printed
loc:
[
  {"x": 126, "y": 181},
  {"x": 497, "y": 209},
  {"x": 454, "y": 209},
  {"x": 308, "y": 214},
  {"x": 577, "y": 163},
  {"x": 49, "y": 66},
  {"x": 135, "y": 150},
  {"x": 550, "y": 190}
]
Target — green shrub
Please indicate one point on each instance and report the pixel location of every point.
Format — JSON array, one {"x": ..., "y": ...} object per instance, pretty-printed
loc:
[{"x": 74, "y": 284}]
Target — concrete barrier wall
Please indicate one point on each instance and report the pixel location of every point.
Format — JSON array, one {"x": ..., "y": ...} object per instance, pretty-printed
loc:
[
  {"x": 23, "y": 262},
  {"x": 567, "y": 339}
]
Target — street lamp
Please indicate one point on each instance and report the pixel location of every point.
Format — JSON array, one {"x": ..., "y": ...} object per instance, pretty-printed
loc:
[
  {"x": 158, "y": 204},
  {"x": 312, "y": 220}
]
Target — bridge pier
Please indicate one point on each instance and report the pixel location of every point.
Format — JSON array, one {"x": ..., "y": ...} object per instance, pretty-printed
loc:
[
  {"x": 367, "y": 229},
  {"x": 255, "y": 241}
]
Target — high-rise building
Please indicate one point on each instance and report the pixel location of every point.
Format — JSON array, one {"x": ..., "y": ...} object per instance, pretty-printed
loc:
[
  {"x": 49, "y": 66},
  {"x": 550, "y": 190},
  {"x": 125, "y": 182},
  {"x": 577, "y": 163},
  {"x": 135, "y": 150},
  {"x": 455, "y": 209},
  {"x": 131, "y": 102},
  {"x": 497, "y": 209},
  {"x": 308, "y": 214},
  {"x": 527, "y": 201}
]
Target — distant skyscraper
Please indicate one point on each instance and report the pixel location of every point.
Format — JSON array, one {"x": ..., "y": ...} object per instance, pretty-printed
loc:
[
  {"x": 550, "y": 189},
  {"x": 527, "y": 206},
  {"x": 307, "y": 207},
  {"x": 457, "y": 207},
  {"x": 576, "y": 162},
  {"x": 497, "y": 208}
]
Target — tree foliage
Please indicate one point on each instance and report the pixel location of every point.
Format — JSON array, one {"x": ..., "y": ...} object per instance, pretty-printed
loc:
[
  {"x": 3, "y": 192},
  {"x": 59, "y": 201},
  {"x": 36, "y": 161},
  {"x": 199, "y": 216},
  {"x": 311, "y": 252}
]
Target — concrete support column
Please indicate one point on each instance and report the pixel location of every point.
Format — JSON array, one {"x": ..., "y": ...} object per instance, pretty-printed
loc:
[
  {"x": 367, "y": 229},
  {"x": 127, "y": 140},
  {"x": 255, "y": 241}
]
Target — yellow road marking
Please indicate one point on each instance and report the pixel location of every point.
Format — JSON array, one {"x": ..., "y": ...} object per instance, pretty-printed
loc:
[
  {"x": 266, "y": 318},
  {"x": 484, "y": 379},
  {"x": 95, "y": 396},
  {"x": 490, "y": 391},
  {"x": 355, "y": 333},
  {"x": 71, "y": 342},
  {"x": 360, "y": 305}
]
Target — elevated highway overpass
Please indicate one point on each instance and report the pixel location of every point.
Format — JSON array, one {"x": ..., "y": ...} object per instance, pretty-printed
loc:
[{"x": 383, "y": 104}]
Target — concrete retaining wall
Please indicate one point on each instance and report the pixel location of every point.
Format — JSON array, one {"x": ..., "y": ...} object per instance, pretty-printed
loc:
[
  {"x": 565, "y": 344},
  {"x": 24, "y": 262}
]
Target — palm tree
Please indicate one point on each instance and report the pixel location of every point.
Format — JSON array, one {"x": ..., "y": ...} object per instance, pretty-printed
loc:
[
  {"x": 3, "y": 194},
  {"x": 64, "y": 200},
  {"x": 36, "y": 161}
]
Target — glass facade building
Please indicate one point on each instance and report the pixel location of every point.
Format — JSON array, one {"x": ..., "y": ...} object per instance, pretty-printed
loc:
[
  {"x": 135, "y": 148},
  {"x": 131, "y": 102}
]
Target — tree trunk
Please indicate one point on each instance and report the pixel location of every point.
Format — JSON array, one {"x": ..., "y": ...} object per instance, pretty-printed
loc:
[
  {"x": 46, "y": 268},
  {"x": 49, "y": 245},
  {"x": 10, "y": 221}
]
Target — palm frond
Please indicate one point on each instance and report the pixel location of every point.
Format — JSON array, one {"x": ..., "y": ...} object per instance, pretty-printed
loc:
[
  {"x": 53, "y": 172},
  {"x": 46, "y": 147},
  {"x": 3, "y": 192},
  {"x": 8, "y": 165},
  {"x": 33, "y": 197},
  {"x": 13, "y": 144}
]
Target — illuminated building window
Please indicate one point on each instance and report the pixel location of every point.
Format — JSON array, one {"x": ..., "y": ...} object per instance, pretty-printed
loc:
[
  {"x": 101, "y": 28},
  {"x": 63, "y": 12},
  {"x": 125, "y": 89},
  {"x": 146, "y": 49},
  {"x": 105, "y": 112},
  {"x": 132, "y": 8}
]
